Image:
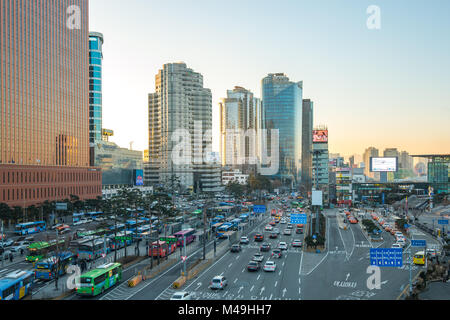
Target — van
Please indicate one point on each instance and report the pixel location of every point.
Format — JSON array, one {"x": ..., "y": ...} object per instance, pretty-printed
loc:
[{"x": 218, "y": 282}]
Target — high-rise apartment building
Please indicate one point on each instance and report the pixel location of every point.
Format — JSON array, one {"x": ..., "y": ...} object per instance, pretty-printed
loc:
[
  {"x": 282, "y": 101},
  {"x": 390, "y": 152},
  {"x": 368, "y": 153},
  {"x": 320, "y": 162},
  {"x": 307, "y": 122},
  {"x": 241, "y": 122},
  {"x": 44, "y": 114},
  {"x": 95, "y": 86},
  {"x": 179, "y": 123}
]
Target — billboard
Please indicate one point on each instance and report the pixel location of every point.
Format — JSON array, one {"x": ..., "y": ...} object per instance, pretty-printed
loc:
[
  {"x": 316, "y": 198},
  {"x": 138, "y": 177},
  {"x": 320, "y": 136},
  {"x": 383, "y": 164}
]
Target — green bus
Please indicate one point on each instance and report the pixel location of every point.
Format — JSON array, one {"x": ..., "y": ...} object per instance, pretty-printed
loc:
[
  {"x": 102, "y": 278},
  {"x": 39, "y": 250}
]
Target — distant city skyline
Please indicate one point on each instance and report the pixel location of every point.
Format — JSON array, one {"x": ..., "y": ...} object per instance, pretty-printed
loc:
[{"x": 381, "y": 88}]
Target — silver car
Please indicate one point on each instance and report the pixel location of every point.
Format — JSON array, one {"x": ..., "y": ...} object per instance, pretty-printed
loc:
[{"x": 218, "y": 282}]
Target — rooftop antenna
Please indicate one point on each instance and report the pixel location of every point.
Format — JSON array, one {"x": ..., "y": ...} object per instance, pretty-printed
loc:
[{"x": 131, "y": 145}]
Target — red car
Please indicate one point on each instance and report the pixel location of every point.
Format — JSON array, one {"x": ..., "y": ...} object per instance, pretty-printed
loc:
[{"x": 259, "y": 237}]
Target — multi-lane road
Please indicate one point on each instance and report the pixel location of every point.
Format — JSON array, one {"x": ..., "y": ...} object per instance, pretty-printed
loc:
[{"x": 341, "y": 272}]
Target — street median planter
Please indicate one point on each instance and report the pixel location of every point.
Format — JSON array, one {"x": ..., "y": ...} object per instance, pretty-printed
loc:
[
  {"x": 177, "y": 284},
  {"x": 135, "y": 281}
]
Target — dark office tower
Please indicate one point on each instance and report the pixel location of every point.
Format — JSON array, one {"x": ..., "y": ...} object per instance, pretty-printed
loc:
[
  {"x": 307, "y": 129},
  {"x": 44, "y": 114},
  {"x": 282, "y": 101}
]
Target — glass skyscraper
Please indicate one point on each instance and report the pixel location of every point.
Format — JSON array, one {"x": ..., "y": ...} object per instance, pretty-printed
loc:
[
  {"x": 44, "y": 107},
  {"x": 282, "y": 102},
  {"x": 307, "y": 121},
  {"x": 95, "y": 86}
]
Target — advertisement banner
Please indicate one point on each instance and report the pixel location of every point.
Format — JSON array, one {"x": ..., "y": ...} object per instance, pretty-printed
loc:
[
  {"x": 383, "y": 164},
  {"x": 139, "y": 177},
  {"x": 317, "y": 198},
  {"x": 320, "y": 136}
]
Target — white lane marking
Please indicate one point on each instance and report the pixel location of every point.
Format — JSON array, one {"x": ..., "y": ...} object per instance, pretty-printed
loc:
[
  {"x": 229, "y": 266},
  {"x": 342, "y": 239},
  {"x": 270, "y": 298},
  {"x": 276, "y": 282},
  {"x": 258, "y": 277},
  {"x": 205, "y": 271},
  {"x": 235, "y": 280},
  {"x": 354, "y": 242},
  {"x": 328, "y": 245},
  {"x": 251, "y": 289},
  {"x": 279, "y": 273},
  {"x": 237, "y": 257}
]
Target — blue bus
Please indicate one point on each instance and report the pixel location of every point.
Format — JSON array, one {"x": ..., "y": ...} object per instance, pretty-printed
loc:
[
  {"x": 223, "y": 228},
  {"x": 235, "y": 223},
  {"x": 46, "y": 269},
  {"x": 94, "y": 215},
  {"x": 120, "y": 227},
  {"x": 120, "y": 243},
  {"x": 30, "y": 227},
  {"x": 244, "y": 217},
  {"x": 77, "y": 216},
  {"x": 16, "y": 285},
  {"x": 131, "y": 224},
  {"x": 218, "y": 219}
]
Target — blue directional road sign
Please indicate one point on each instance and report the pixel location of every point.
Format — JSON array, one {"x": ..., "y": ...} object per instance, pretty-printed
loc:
[
  {"x": 386, "y": 257},
  {"x": 442, "y": 221},
  {"x": 298, "y": 218},
  {"x": 418, "y": 243},
  {"x": 259, "y": 209}
]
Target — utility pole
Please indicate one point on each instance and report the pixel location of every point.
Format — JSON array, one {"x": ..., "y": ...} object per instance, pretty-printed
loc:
[
  {"x": 56, "y": 261},
  {"x": 204, "y": 231},
  {"x": 410, "y": 271}
]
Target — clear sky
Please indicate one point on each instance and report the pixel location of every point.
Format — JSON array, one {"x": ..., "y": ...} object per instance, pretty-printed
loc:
[{"x": 383, "y": 88}]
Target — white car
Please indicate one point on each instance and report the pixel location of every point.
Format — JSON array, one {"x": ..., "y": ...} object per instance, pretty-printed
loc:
[
  {"x": 283, "y": 221},
  {"x": 396, "y": 245},
  {"x": 258, "y": 257},
  {"x": 268, "y": 228},
  {"x": 282, "y": 246},
  {"x": 183, "y": 295},
  {"x": 269, "y": 266},
  {"x": 218, "y": 282},
  {"x": 244, "y": 240},
  {"x": 287, "y": 232},
  {"x": 77, "y": 223},
  {"x": 401, "y": 242}
]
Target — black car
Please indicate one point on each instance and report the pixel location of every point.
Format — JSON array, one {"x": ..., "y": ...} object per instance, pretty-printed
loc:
[
  {"x": 273, "y": 235},
  {"x": 265, "y": 247},
  {"x": 235, "y": 248}
]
